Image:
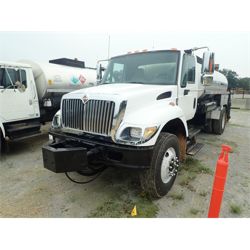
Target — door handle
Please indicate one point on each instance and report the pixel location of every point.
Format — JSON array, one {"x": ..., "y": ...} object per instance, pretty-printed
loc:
[{"x": 186, "y": 91}]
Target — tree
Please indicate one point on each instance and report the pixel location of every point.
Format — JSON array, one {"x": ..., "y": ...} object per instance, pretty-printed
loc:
[
  {"x": 232, "y": 77},
  {"x": 244, "y": 83}
]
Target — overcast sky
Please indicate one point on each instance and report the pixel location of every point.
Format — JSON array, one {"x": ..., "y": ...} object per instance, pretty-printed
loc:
[{"x": 232, "y": 49}]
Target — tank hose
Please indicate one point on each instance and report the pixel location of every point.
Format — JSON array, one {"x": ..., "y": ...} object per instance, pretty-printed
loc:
[{"x": 88, "y": 181}]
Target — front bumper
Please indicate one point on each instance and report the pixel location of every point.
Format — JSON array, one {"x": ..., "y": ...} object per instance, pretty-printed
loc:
[{"x": 72, "y": 153}]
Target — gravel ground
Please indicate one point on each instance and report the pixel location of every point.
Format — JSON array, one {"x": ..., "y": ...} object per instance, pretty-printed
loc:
[{"x": 29, "y": 190}]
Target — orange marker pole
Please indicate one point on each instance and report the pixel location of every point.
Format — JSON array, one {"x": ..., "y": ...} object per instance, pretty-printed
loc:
[{"x": 219, "y": 182}]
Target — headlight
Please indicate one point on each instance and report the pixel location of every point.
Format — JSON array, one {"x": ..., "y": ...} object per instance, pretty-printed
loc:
[
  {"x": 56, "y": 123},
  {"x": 149, "y": 132},
  {"x": 136, "y": 134}
]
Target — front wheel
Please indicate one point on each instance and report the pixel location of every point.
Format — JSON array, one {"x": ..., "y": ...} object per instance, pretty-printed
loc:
[{"x": 160, "y": 177}]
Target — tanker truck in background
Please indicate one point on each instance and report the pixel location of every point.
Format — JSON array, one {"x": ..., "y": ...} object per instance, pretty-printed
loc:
[
  {"x": 30, "y": 93},
  {"x": 145, "y": 115}
]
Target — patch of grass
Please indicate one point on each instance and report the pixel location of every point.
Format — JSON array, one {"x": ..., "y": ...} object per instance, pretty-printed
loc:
[
  {"x": 203, "y": 193},
  {"x": 194, "y": 211},
  {"x": 194, "y": 166},
  {"x": 235, "y": 209},
  {"x": 191, "y": 188},
  {"x": 175, "y": 196},
  {"x": 121, "y": 207},
  {"x": 184, "y": 180}
]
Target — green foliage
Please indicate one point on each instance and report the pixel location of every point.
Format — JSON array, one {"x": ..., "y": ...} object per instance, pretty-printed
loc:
[
  {"x": 244, "y": 83},
  {"x": 232, "y": 77},
  {"x": 194, "y": 211},
  {"x": 175, "y": 196},
  {"x": 234, "y": 81},
  {"x": 235, "y": 209}
]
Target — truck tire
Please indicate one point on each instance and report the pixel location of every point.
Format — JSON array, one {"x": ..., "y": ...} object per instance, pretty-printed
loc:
[
  {"x": 219, "y": 125},
  {"x": 159, "y": 178},
  {"x": 208, "y": 128}
]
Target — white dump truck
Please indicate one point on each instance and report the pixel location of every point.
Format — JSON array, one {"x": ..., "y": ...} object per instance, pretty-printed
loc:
[
  {"x": 30, "y": 93},
  {"x": 144, "y": 115}
]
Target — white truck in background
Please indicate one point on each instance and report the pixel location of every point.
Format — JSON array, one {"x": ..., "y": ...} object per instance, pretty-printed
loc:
[
  {"x": 144, "y": 115},
  {"x": 30, "y": 93}
]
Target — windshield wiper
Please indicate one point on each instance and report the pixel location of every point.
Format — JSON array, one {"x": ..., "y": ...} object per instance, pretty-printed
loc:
[{"x": 136, "y": 82}]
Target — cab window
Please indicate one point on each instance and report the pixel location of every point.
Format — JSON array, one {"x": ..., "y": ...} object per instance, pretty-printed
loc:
[
  {"x": 188, "y": 70},
  {"x": 9, "y": 76}
]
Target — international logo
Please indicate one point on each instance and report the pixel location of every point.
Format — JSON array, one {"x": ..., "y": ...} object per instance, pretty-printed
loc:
[{"x": 85, "y": 99}]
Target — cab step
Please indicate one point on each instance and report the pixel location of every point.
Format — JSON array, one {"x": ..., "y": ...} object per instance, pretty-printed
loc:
[
  {"x": 193, "y": 149},
  {"x": 19, "y": 131},
  {"x": 192, "y": 132}
]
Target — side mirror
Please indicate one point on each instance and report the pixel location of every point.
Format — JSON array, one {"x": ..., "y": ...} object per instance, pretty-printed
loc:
[
  {"x": 99, "y": 72},
  {"x": 100, "y": 68},
  {"x": 208, "y": 63}
]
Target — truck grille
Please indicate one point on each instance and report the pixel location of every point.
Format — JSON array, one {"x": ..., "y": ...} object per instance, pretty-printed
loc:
[{"x": 95, "y": 116}]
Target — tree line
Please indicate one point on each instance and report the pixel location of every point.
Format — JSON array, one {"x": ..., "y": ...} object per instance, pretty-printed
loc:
[{"x": 234, "y": 81}]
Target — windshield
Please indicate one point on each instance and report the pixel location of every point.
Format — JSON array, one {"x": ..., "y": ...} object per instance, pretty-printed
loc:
[{"x": 159, "y": 68}]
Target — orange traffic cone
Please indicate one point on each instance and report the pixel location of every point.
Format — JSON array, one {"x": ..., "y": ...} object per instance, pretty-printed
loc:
[{"x": 219, "y": 182}]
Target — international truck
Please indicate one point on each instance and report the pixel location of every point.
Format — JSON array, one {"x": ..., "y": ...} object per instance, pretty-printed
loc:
[
  {"x": 143, "y": 115},
  {"x": 30, "y": 93}
]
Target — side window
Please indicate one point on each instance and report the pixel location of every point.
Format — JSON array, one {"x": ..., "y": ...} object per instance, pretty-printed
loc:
[
  {"x": 116, "y": 75},
  {"x": 9, "y": 78},
  {"x": 118, "y": 72},
  {"x": 22, "y": 77},
  {"x": 188, "y": 70}
]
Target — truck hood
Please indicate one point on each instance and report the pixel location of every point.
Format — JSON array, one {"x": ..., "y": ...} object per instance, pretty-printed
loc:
[
  {"x": 141, "y": 99},
  {"x": 124, "y": 91}
]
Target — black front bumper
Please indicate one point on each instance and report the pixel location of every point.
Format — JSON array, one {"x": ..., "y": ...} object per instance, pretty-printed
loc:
[{"x": 73, "y": 153}]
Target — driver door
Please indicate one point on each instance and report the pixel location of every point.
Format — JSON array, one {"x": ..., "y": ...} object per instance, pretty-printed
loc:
[
  {"x": 188, "y": 88},
  {"x": 15, "y": 102}
]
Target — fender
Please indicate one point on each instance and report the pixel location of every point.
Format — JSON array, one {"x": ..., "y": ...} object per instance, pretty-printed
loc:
[{"x": 155, "y": 115}]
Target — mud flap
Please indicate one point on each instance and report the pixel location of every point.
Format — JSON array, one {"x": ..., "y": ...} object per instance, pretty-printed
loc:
[{"x": 59, "y": 158}]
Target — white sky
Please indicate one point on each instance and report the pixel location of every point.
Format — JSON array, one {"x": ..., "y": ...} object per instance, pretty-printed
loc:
[
  {"x": 82, "y": 29},
  {"x": 232, "y": 49}
]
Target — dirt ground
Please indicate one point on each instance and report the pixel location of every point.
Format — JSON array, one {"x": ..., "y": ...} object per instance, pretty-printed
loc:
[{"x": 29, "y": 190}]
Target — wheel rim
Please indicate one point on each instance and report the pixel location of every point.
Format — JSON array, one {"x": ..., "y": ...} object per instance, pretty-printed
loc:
[
  {"x": 223, "y": 120},
  {"x": 169, "y": 165}
]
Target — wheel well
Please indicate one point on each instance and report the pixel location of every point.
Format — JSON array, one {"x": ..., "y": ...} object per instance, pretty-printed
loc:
[{"x": 177, "y": 128}]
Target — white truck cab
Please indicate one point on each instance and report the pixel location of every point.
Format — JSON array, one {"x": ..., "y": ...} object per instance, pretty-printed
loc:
[
  {"x": 30, "y": 93},
  {"x": 18, "y": 96},
  {"x": 144, "y": 114}
]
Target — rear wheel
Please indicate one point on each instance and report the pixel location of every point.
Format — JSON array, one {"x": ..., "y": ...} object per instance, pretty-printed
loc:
[
  {"x": 209, "y": 126},
  {"x": 160, "y": 177},
  {"x": 219, "y": 125}
]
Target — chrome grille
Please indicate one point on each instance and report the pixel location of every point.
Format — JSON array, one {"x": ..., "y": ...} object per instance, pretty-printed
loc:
[{"x": 95, "y": 116}]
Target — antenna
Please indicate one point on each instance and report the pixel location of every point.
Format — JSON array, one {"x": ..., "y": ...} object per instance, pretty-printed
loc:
[{"x": 108, "y": 46}]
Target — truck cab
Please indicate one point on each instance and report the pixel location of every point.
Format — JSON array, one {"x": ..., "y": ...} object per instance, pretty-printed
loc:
[
  {"x": 138, "y": 117},
  {"x": 18, "y": 99}
]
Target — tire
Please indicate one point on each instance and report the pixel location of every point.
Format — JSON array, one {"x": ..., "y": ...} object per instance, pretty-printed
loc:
[
  {"x": 159, "y": 178},
  {"x": 219, "y": 125},
  {"x": 209, "y": 126}
]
